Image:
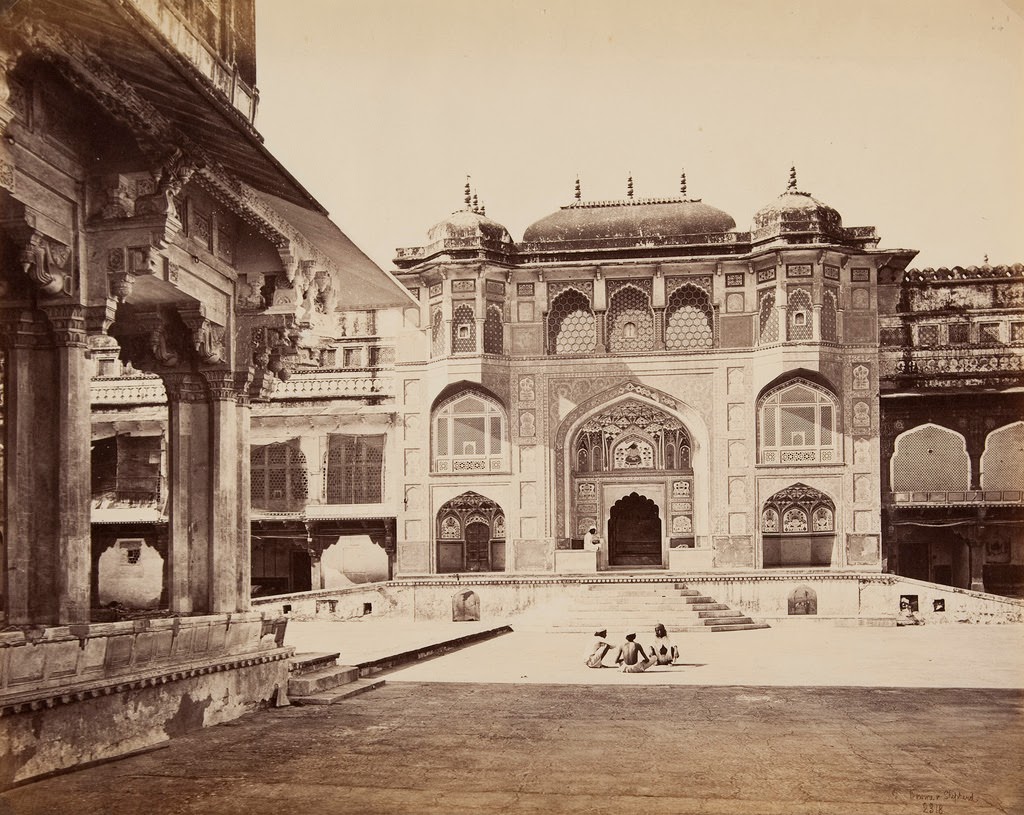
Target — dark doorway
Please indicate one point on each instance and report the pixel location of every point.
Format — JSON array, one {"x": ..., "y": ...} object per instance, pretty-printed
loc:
[
  {"x": 634, "y": 532},
  {"x": 478, "y": 544},
  {"x": 302, "y": 571}
]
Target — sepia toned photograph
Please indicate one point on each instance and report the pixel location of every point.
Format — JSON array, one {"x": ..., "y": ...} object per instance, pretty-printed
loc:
[{"x": 418, "y": 407}]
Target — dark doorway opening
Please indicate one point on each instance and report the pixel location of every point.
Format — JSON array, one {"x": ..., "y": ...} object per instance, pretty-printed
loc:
[{"x": 634, "y": 532}]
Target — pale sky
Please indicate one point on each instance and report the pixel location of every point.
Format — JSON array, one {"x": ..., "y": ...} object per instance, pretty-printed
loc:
[{"x": 906, "y": 115}]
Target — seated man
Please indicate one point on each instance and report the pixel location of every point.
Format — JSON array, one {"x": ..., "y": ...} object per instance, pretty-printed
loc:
[
  {"x": 591, "y": 542},
  {"x": 598, "y": 650},
  {"x": 631, "y": 655},
  {"x": 907, "y": 615},
  {"x": 664, "y": 651}
]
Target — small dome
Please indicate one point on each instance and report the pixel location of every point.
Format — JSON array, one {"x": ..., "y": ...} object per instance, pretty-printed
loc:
[
  {"x": 640, "y": 218},
  {"x": 468, "y": 226},
  {"x": 796, "y": 212}
]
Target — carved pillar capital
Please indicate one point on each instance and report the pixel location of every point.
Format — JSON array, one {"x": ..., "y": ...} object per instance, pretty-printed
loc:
[
  {"x": 67, "y": 323},
  {"x": 22, "y": 328},
  {"x": 184, "y": 386}
]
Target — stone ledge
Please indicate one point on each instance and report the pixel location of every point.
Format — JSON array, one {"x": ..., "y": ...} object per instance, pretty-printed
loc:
[{"x": 51, "y": 697}]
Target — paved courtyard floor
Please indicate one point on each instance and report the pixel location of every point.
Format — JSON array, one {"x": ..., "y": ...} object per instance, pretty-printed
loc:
[{"x": 811, "y": 721}]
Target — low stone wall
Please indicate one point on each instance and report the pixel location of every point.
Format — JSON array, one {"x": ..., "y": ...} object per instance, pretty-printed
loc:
[
  {"x": 72, "y": 695},
  {"x": 774, "y": 597}
]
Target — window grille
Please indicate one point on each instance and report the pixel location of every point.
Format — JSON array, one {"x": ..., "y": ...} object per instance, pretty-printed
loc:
[
  {"x": 470, "y": 433},
  {"x": 829, "y": 311},
  {"x": 436, "y": 332},
  {"x": 798, "y": 527},
  {"x": 278, "y": 479},
  {"x": 799, "y": 316},
  {"x": 630, "y": 321},
  {"x": 463, "y": 330},
  {"x": 1002, "y": 463},
  {"x": 927, "y": 335},
  {"x": 1016, "y": 332},
  {"x": 572, "y": 328},
  {"x": 689, "y": 319},
  {"x": 989, "y": 333},
  {"x": 494, "y": 342},
  {"x": 797, "y": 422},
  {"x": 930, "y": 458},
  {"x": 959, "y": 333},
  {"x": 355, "y": 469},
  {"x": 769, "y": 318},
  {"x": 794, "y": 520}
]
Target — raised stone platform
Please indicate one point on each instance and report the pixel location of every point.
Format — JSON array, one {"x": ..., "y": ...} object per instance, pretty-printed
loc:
[{"x": 72, "y": 695}]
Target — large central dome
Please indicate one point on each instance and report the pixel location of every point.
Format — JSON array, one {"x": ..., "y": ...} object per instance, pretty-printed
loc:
[{"x": 633, "y": 218}]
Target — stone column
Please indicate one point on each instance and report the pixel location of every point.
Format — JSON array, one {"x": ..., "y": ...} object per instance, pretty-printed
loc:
[
  {"x": 47, "y": 466},
  {"x": 209, "y": 569}
]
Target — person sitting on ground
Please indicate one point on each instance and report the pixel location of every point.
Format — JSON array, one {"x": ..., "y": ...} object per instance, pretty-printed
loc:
[
  {"x": 663, "y": 651},
  {"x": 598, "y": 650},
  {"x": 631, "y": 655},
  {"x": 907, "y": 615}
]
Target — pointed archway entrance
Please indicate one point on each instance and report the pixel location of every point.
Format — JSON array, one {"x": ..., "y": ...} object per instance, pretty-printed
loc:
[{"x": 634, "y": 532}]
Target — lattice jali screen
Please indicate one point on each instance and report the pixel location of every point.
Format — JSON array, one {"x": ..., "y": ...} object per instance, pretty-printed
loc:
[
  {"x": 768, "y": 318},
  {"x": 630, "y": 321},
  {"x": 797, "y": 423},
  {"x": 689, "y": 319},
  {"x": 798, "y": 315},
  {"x": 829, "y": 311},
  {"x": 930, "y": 458},
  {"x": 436, "y": 332},
  {"x": 470, "y": 432},
  {"x": 278, "y": 478},
  {"x": 463, "y": 330},
  {"x": 494, "y": 342},
  {"x": 572, "y": 328},
  {"x": 355, "y": 469},
  {"x": 1002, "y": 463},
  {"x": 927, "y": 335}
]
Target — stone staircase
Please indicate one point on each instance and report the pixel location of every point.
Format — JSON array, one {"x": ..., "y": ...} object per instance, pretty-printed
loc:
[
  {"x": 317, "y": 679},
  {"x": 638, "y": 606}
]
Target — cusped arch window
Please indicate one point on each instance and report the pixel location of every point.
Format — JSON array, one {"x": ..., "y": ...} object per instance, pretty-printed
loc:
[
  {"x": 1002, "y": 463},
  {"x": 571, "y": 325},
  {"x": 798, "y": 424},
  {"x": 470, "y": 433},
  {"x": 930, "y": 458},
  {"x": 798, "y": 528}
]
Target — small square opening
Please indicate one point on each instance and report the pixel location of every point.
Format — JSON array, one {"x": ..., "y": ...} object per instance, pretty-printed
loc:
[{"x": 367, "y": 608}]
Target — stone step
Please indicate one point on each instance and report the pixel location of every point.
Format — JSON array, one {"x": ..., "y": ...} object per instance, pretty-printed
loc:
[
  {"x": 311, "y": 661},
  {"x": 720, "y": 613},
  {"x": 322, "y": 680},
  {"x": 347, "y": 691}
]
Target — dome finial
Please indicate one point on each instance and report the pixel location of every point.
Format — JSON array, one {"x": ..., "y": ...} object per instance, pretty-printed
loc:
[
  {"x": 476, "y": 203},
  {"x": 577, "y": 194},
  {"x": 791, "y": 187},
  {"x": 466, "y": 198},
  {"x": 629, "y": 187},
  {"x": 483, "y": 209},
  {"x": 682, "y": 183}
]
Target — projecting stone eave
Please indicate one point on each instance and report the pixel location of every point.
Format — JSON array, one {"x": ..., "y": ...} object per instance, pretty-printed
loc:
[{"x": 859, "y": 237}]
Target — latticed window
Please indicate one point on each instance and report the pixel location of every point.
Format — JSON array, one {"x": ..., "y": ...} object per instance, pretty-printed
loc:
[
  {"x": 768, "y": 318},
  {"x": 829, "y": 311},
  {"x": 1002, "y": 463},
  {"x": 930, "y": 458},
  {"x": 463, "y": 330},
  {"x": 278, "y": 477},
  {"x": 798, "y": 315},
  {"x": 797, "y": 425},
  {"x": 494, "y": 342},
  {"x": 436, "y": 332},
  {"x": 630, "y": 321},
  {"x": 355, "y": 469},
  {"x": 959, "y": 333},
  {"x": 470, "y": 434},
  {"x": 689, "y": 319},
  {"x": 927, "y": 335},
  {"x": 572, "y": 328}
]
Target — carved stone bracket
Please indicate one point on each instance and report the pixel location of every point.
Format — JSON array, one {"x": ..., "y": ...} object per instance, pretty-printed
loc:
[
  {"x": 43, "y": 259},
  {"x": 207, "y": 338},
  {"x": 273, "y": 350}
]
